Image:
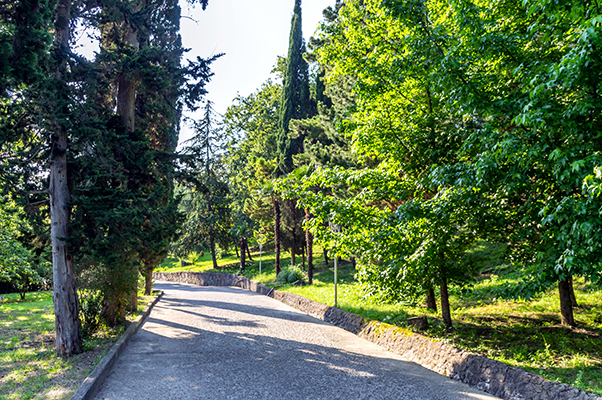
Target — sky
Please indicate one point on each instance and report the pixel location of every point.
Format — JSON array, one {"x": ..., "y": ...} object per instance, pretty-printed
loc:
[{"x": 251, "y": 34}]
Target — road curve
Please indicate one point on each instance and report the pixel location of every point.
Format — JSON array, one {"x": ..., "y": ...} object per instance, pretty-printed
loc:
[{"x": 229, "y": 343}]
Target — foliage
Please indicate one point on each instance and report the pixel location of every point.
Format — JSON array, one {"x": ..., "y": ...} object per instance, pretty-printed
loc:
[
  {"x": 290, "y": 274},
  {"x": 16, "y": 262}
]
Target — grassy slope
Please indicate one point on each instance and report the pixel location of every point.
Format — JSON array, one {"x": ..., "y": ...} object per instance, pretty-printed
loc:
[
  {"x": 29, "y": 367},
  {"x": 525, "y": 334}
]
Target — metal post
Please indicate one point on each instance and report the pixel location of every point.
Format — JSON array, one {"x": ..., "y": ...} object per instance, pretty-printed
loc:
[
  {"x": 336, "y": 265},
  {"x": 260, "y": 246}
]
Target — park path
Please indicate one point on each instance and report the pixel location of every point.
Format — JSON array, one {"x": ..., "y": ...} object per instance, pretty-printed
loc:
[{"x": 228, "y": 343}]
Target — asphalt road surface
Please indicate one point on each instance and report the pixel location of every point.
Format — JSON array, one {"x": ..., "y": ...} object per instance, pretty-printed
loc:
[{"x": 229, "y": 343}]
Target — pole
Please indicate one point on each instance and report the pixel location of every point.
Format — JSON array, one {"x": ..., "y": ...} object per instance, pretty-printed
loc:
[
  {"x": 260, "y": 246},
  {"x": 336, "y": 264}
]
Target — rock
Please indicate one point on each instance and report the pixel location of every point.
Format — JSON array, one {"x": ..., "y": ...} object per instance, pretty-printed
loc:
[{"x": 418, "y": 322}]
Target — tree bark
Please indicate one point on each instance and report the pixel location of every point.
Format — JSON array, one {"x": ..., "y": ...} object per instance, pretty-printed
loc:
[
  {"x": 277, "y": 234},
  {"x": 64, "y": 296},
  {"x": 325, "y": 256},
  {"x": 572, "y": 292},
  {"x": 293, "y": 247},
  {"x": 126, "y": 91},
  {"x": 212, "y": 245},
  {"x": 148, "y": 279},
  {"x": 445, "y": 311},
  {"x": 248, "y": 251},
  {"x": 310, "y": 251},
  {"x": 566, "y": 306},
  {"x": 431, "y": 301}
]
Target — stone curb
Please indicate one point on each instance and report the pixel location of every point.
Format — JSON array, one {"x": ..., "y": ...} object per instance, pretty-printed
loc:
[
  {"x": 91, "y": 385},
  {"x": 493, "y": 377}
]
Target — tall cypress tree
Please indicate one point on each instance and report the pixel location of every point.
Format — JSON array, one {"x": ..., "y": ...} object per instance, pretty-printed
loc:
[{"x": 296, "y": 102}]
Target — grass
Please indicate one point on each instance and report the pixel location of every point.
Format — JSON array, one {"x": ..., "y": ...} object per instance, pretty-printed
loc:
[
  {"x": 525, "y": 334},
  {"x": 29, "y": 366}
]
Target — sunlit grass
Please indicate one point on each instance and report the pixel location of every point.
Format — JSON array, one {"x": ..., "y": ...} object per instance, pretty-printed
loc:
[
  {"x": 525, "y": 334},
  {"x": 29, "y": 367}
]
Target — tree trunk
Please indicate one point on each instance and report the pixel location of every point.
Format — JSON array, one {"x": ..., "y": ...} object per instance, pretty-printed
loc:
[
  {"x": 566, "y": 306},
  {"x": 303, "y": 257},
  {"x": 277, "y": 234},
  {"x": 293, "y": 247},
  {"x": 236, "y": 249},
  {"x": 572, "y": 292},
  {"x": 212, "y": 245},
  {"x": 325, "y": 256},
  {"x": 248, "y": 251},
  {"x": 148, "y": 280},
  {"x": 64, "y": 296},
  {"x": 310, "y": 251},
  {"x": 242, "y": 243},
  {"x": 445, "y": 312},
  {"x": 133, "y": 296},
  {"x": 126, "y": 91},
  {"x": 126, "y": 109},
  {"x": 431, "y": 301}
]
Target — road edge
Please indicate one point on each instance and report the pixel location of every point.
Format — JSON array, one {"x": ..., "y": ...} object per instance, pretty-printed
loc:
[{"x": 91, "y": 385}]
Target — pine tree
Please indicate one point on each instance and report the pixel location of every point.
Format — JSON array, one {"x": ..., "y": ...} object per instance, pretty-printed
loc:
[{"x": 206, "y": 203}]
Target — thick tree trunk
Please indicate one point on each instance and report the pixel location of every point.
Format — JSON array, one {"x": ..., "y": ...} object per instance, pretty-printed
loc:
[
  {"x": 310, "y": 251},
  {"x": 64, "y": 296},
  {"x": 126, "y": 90},
  {"x": 431, "y": 301},
  {"x": 277, "y": 235},
  {"x": 572, "y": 292},
  {"x": 212, "y": 245},
  {"x": 248, "y": 251},
  {"x": 445, "y": 311},
  {"x": 148, "y": 279},
  {"x": 566, "y": 306}
]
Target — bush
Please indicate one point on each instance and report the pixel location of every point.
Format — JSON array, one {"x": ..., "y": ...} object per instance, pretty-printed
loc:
[
  {"x": 290, "y": 274},
  {"x": 90, "y": 308}
]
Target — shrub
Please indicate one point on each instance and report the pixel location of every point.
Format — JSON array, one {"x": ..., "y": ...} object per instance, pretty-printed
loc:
[{"x": 290, "y": 274}]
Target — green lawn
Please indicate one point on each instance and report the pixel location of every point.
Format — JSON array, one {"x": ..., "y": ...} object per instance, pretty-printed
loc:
[
  {"x": 525, "y": 334},
  {"x": 29, "y": 367}
]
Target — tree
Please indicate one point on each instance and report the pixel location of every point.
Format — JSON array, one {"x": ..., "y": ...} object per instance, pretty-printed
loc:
[
  {"x": 36, "y": 82},
  {"x": 296, "y": 102},
  {"x": 207, "y": 201},
  {"x": 130, "y": 215},
  {"x": 252, "y": 125}
]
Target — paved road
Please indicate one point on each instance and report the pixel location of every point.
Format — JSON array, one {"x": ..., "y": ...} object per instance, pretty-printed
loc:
[{"x": 229, "y": 343}]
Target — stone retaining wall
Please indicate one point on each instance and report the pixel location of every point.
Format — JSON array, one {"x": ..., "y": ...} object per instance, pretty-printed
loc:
[{"x": 488, "y": 375}]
